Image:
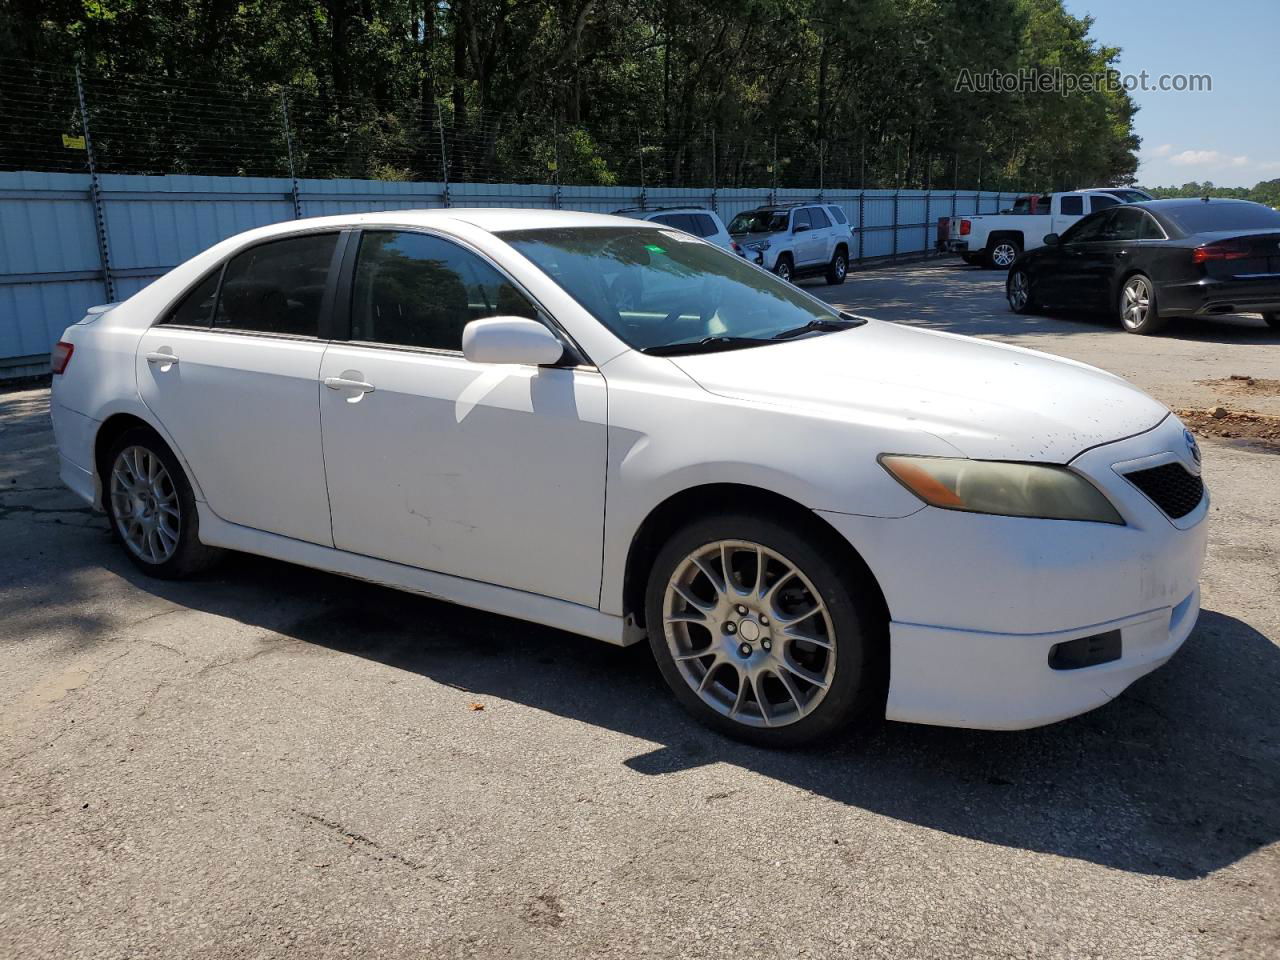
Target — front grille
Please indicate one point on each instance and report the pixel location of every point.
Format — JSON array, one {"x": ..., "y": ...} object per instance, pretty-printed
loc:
[{"x": 1171, "y": 486}]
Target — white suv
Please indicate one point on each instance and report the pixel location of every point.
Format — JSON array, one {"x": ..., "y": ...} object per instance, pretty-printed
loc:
[
  {"x": 796, "y": 240},
  {"x": 698, "y": 221}
]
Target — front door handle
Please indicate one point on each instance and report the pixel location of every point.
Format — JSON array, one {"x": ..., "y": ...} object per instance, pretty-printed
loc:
[
  {"x": 161, "y": 357},
  {"x": 342, "y": 383}
]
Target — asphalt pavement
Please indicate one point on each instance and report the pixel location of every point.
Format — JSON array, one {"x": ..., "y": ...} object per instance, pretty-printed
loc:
[{"x": 275, "y": 762}]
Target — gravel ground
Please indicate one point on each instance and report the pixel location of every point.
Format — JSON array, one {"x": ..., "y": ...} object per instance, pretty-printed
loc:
[{"x": 275, "y": 762}]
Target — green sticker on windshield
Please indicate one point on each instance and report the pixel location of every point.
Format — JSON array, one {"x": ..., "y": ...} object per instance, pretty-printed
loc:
[{"x": 654, "y": 248}]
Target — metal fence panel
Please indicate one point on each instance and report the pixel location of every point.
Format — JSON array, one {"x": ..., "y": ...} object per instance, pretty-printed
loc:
[{"x": 51, "y": 265}]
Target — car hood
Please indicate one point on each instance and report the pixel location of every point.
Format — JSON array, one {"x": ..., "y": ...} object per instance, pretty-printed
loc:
[
  {"x": 757, "y": 237},
  {"x": 987, "y": 400}
]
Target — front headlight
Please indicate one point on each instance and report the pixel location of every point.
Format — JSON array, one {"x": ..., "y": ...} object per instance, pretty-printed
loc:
[{"x": 1007, "y": 489}]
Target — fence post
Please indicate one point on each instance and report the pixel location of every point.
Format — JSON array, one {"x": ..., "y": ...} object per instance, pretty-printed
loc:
[
  {"x": 822, "y": 168},
  {"x": 95, "y": 194},
  {"x": 773, "y": 189},
  {"x": 288, "y": 144},
  {"x": 640, "y": 149},
  {"x": 555, "y": 134},
  {"x": 862, "y": 220},
  {"x": 928, "y": 209},
  {"x": 444, "y": 156},
  {"x": 896, "y": 191},
  {"x": 714, "y": 172}
]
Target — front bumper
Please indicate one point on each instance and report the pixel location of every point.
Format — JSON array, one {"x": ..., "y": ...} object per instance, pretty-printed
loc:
[
  {"x": 978, "y": 602},
  {"x": 1208, "y": 297}
]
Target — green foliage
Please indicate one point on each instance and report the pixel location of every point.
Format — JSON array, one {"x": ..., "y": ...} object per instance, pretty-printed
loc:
[
  {"x": 676, "y": 91},
  {"x": 1267, "y": 192}
]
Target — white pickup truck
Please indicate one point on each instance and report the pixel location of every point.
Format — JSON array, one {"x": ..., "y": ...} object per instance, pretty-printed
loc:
[{"x": 996, "y": 239}]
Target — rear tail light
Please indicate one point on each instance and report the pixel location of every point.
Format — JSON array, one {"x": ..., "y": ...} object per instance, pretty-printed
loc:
[
  {"x": 61, "y": 356},
  {"x": 965, "y": 227},
  {"x": 1222, "y": 250}
]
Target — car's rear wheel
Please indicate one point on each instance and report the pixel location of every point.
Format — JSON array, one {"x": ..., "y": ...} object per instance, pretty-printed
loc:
[
  {"x": 1002, "y": 254},
  {"x": 1018, "y": 291},
  {"x": 151, "y": 507},
  {"x": 1138, "y": 313},
  {"x": 1273, "y": 320},
  {"x": 784, "y": 268},
  {"x": 761, "y": 633},
  {"x": 838, "y": 268}
]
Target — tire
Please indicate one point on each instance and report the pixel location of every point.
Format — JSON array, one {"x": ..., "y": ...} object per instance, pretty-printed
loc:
[
  {"x": 1137, "y": 306},
  {"x": 1018, "y": 291},
  {"x": 784, "y": 268},
  {"x": 838, "y": 268},
  {"x": 786, "y": 709},
  {"x": 1001, "y": 253},
  {"x": 154, "y": 518},
  {"x": 1273, "y": 320}
]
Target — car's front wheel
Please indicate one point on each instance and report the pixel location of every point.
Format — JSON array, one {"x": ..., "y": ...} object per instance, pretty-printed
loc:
[
  {"x": 1138, "y": 313},
  {"x": 151, "y": 507},
  {"x": 762, "y": 632},
  {"x": 1018, "y": 291}
]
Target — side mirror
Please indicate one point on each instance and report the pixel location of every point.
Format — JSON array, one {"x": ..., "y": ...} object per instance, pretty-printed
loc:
[
  {"x": 510, "y": 340},
  {"x": 800, "y": 228},
  {"x": 1051, "y": 239}
]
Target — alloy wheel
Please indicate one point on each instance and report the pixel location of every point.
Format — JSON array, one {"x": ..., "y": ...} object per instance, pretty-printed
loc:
[
  {"x": 841, "y": 267},
  {"x": 1019, "y": 290},
  {"x": 1135, "y": 303},
  {"x": 1004, "y": 254},
  {"x": 749, "y": 633},
  {"x": 784, "y": 270},
  {"x": 144, "y": 502}
]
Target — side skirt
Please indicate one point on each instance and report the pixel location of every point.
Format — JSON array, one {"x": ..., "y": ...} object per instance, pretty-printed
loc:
[{"x": 562, "y": 615}]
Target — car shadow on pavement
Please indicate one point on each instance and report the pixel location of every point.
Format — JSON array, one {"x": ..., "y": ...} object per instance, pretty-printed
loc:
[{"x": 1178, "y": 777}]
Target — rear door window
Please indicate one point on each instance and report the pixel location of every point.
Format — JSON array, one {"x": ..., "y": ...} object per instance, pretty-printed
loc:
[
  {"x": 1150, "y": 229},
  {"x": 819, "y": 218},
  {"x": 1125, "y": 224},
  {"x": 838, "y": 213},
  {"x": 196, "y": 308},
  {"x": 706, "y": 227},
  {"x": 1100, "y": 201},
  {"x": 1073, "y": 206},
  {"x": 277, "y": 287}
]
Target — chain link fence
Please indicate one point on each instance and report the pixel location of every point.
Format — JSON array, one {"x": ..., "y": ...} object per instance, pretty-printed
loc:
[{"x": 52, "y": 117}]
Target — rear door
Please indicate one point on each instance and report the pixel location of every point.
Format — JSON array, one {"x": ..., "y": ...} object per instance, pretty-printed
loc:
[
  {"x": 231, "y": 373},
  {"x": 492, "y": 472},
  {"x": 822, "y": 235}
]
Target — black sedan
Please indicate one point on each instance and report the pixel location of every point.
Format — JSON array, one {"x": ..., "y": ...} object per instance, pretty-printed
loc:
[{"x": 1147, "y": 262}]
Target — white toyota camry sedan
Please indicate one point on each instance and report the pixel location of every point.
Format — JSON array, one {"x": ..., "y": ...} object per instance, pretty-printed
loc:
[{"x": 622, "y": 431}]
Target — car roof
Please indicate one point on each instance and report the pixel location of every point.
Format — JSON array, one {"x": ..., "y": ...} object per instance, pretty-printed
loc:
[
  {"x": 492, "y": 220},
  {"x": 647, "y": 211},
  {"x": 1172, "y": 203}
]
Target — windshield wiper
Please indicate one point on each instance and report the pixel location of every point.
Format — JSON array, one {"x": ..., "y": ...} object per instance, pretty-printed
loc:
[
  {"x": 821, "y": 324},
  {"x": 705, "y": 345}
]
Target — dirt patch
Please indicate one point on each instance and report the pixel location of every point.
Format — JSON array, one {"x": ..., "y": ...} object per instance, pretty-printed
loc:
[
  {"x": 1244, "y": 426},
  {"x": 1243, "y": 385},
  {"x": 544, "y": 910}
]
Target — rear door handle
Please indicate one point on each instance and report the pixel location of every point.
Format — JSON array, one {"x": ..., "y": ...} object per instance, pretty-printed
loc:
[
  {"x": 341, "y": 383},
  {"x": 161, "y": 357}
]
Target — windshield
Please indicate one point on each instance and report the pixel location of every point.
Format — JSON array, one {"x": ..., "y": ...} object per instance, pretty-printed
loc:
[
  {"x": 759, "y": 221},
  {"x": 656, "y": 288},
  {"x": 1208, "y": 217}
]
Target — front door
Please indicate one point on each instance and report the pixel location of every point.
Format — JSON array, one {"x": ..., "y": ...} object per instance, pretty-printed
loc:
[
  {"x": 231, "y": 374},
  {"x": 490, "y": 472}
]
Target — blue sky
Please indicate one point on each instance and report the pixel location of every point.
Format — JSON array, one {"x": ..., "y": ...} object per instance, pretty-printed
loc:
[{"x": 1230, "y": 135}]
